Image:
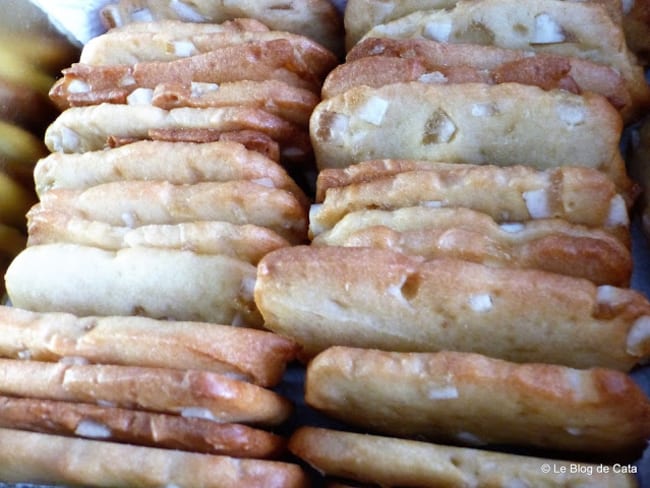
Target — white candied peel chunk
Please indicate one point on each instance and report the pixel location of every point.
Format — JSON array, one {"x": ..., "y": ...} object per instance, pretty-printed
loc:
[
  {"x": 140, "y": 96},
  {"x": 373, "y": 110},
  {"x": 433, "y": 78},
  {"x": 197, "y": 412},
  {"x": 638, "y": 337},
  {"x": 92, "y": 429},
  {"x": 617, "y": 212},
  {"x": 480, "y": 302},
  {"x": 78, "y": 86},
  {"x": 537, "y": 203},
  {"x": 438, "y": 30},
  {"x": 183, "y": 49},
  {"x": 447, "y": 392},
  {"x": 547, "y": 30},
  {"x": 198, "y": 88},
  {"x": 571, "y": 114},
  {"x": 186, "y": 12}
]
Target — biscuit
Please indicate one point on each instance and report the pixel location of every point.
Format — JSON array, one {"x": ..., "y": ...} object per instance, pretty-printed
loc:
[
  {"x": 157, "y": 283},
  {"x": 472, "y": 399},
  {"x": 316, "y": 19},
  {"x": 190, "y": 393},
  {"x": 636, "y": 25},
  {"x": 375, "y": 298},
  {"x": 247, "y": 242},
  {"x": 135, "y": 203},
  {"x": 508, "y": 194},
  {"x": 387, "y": 461},
  {"x": 97, "y": 463},
  {"x": 81, "y": 129},
  {"x": 177, "y": 163},
  {"x": 577, "y": 29},
  {"x": 276, "y": 97},
  {"x": 169, "y": 40},
  {"x": 436, "y": 62},
  {"x": 137, "y": 427},
  {"x": 547, "y": 244},
  {"x": 362, "y": 15},
  {"x": 252, "y": 355},
  {"x": 470, "y": 123}
]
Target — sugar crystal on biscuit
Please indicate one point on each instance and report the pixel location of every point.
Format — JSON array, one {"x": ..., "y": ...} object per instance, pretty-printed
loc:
[
  {"x": 92, "y": 429},
  {"x": 547, "y": 30},
  {"x": 438, "y": 31}
]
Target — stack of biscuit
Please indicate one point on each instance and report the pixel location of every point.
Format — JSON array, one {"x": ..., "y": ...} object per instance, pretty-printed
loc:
[
  {"x": 169, "y": 179},
  {"x": 468, "y": 277},
  {"x": 171, "y": 135}
]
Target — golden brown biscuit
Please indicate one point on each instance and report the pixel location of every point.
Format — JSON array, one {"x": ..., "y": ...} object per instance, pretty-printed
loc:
[
  {"x": 389, "y": 461},
  {"x": 276, "y": 97},
  {"x": 437, "y": 62},
  {"x": 81, "y": 129},
  {"x": 134, "y": 203},
  {"x": 157, "y": 283},
  {"x": 316, "y": 19},
  {"x": 546, "y": 244},
  {"x": 577, "y": 29},
  {"x": 75, "y": 461},
  {"x": 246, "y": 242},
  {"x": 190, "y": 393},
  {"x": 364, "y": 297},
  {"x": 508, "y": 194},
  {"x": 137, "y": 427},
  {"x": 253, "y": 355},
  {"x": 473, "y": 399},
  {"x": 470, "y": 123},
  {"x": 177, "y": 163}
]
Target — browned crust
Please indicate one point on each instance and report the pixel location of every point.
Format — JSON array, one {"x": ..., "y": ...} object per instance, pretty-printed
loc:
[
  {"x": 374, "y": 298},
  {"x": 68, "y": 461},
  {"x": 255, "y": 355},
  {"x": 389, "y": 461},
  {"x": 155, "y": 389},
  {"x": 446, "y": 394},
  {"x": 138, "y": 427}
]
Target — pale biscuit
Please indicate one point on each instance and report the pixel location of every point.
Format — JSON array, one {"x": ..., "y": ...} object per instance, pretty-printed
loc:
[
  {"x": 191, "y": 393},
  {"x": 135, "y": 203},
  {"x": 472, "y": 399},
  {"x": 388, "y": 461},
  {"x": 316, "y": 19},
  {"x": 364, "y": 297},
  {"x": 177, "y": 163},
  {"x": 81, "y": 129},
  {"x": 137, "y": 427},
  {"x": 546, "y": 244},
  {"x": 429, "y": 61},
  {"x": 246, "y": 242},
  {"x": 508, "y": 194},
  {"x": 470, "y": 123},
  {"x": 65, "y": 461},
  {"x": 168, "y": 41},
  {"x": 253, "y": 355},
  {"x": 362, "y": 15},
  {"x": 577, "y": 29},
  {"x": 157, "y": 283}
]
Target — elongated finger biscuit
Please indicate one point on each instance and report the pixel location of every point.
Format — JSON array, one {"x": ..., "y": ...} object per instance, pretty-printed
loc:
[
  {"x": 81, "y": 129},
  {"x": 389, "y": 461},
  {"x": 508, "y": 194},
  {"x": 248, "y": 243},
  {"x": 363, "y": 297},
  {"x": 469, "y": 398},
  {"x": 136, "y": 203},
  {"x": 190, "y": 393},
  {"x": 427, "y": 60},
  {"x": 254, "y": 355},
  {"x": 469, "y": 123},
  {"x": 137, "y": 427},
  {"x": 542, "y": 26},
  {"x": 23, "y": 458},
  {"x": 316, "y": 19},
  {"x": 547, "y": 244},
  {"x": 177, "y": 163},
  {"x": 157, "y": 283}
]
